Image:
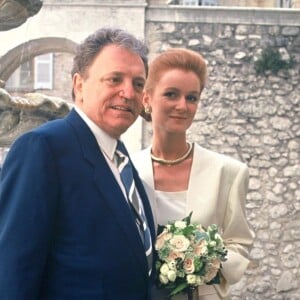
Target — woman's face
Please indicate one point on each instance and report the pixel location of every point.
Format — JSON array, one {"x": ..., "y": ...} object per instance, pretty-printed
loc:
[{"x": 174, "y": 101}]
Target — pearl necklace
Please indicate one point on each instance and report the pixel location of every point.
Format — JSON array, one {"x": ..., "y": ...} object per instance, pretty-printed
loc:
[{"x": 173, "y": 161}]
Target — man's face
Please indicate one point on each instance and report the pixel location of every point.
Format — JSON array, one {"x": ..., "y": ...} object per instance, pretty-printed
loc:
[{"x": 111, "y": 92}]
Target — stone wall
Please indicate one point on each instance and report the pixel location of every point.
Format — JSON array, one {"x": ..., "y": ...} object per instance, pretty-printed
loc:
[{"x": 253, "y": 118}]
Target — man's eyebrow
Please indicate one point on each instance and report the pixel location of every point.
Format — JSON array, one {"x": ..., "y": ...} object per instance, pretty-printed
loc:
[
  {"x": 114, "y": 73},
  {"x": 140, "y": 78},
  {"x": 108, "y": 75},
  {"x": 118, "y": 73}
]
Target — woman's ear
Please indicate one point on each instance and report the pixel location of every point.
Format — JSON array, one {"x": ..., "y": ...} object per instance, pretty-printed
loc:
[
  {"x": 145, "y": 99},
  {"x": 146, "y": 112}
]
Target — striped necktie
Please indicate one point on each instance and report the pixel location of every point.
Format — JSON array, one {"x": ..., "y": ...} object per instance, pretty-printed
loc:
[{"x": 125, "y": 169}]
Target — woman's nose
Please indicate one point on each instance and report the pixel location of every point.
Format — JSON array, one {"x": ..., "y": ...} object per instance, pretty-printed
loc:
[{"x": 181, "y": 103}]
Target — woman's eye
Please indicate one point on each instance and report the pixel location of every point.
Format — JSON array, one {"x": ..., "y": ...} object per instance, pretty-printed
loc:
[
  {"x": 192, "y": 98},
  {"x": 170, "y": 95}
]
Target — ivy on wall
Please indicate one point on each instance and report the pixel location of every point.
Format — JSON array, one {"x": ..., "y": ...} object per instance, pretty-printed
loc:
[{"x": 271, "y": 60}]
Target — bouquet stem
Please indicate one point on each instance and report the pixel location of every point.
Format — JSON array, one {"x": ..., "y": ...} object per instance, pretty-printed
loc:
[{"x": 191, "y": 294}]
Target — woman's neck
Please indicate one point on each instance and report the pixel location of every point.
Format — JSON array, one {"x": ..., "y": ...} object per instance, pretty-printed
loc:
[{"x": 169, "y": 147}]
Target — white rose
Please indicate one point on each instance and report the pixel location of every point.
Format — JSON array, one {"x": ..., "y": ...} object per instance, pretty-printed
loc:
[
  {"x": 212, "y": 244},
  {"x": 180, "y": 224},
  {"x": 199, "y": 280},
  {"x": 218, "y": 237},
  {"x": 164, "y": 269},
  {"x": 171, "y": 275},
  {"x": 191, "y": 279},
  {"x": 179, "y": 243},
  {"x": 172, "y": 265},
  {"x": 163, "y": 279}
]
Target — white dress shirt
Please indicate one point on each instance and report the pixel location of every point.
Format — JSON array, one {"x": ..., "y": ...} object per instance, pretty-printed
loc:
[{"x": 107, "y": 145}]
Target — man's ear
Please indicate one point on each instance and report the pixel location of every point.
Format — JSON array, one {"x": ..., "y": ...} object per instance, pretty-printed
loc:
[{"x": 77, "y": 87}]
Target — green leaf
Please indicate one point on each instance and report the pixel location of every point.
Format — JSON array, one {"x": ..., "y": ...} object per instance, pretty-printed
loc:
[
  {"x": 160, "y": 229},
  {"x": 181, "y": 287},
  {"x": 188, "y": 218}
]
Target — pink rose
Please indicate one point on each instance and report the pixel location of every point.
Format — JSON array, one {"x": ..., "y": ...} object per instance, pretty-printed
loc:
[
  {"x": 160, "y": 240},
  {"x": 173, "y": 255},
  {"x": 179, "y": 243},
  {"x": 212, "y": 269},
  {"x": 188, "y": 265},
  {"x": 201, "y": 248}
]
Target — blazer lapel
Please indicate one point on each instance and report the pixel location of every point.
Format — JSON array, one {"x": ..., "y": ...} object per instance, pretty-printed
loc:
[
  {"x": 203, "y": 186},
  {"x": 107, "y": 185}
]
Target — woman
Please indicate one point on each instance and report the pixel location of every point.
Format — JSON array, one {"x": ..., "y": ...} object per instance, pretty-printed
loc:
[{"x": 182, "y": 177}]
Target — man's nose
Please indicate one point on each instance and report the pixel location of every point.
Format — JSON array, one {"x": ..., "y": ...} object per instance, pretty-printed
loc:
[{"x": 127, "y": 90}]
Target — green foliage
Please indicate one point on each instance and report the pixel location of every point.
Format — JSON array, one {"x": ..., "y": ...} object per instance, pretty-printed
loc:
[{"x": 271, "y": 61}]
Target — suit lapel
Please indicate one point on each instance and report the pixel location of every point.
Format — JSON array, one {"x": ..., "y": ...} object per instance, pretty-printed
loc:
[
  {"x": 107, "y": 185},
  {"x": 144, "y": 198},
  {"x": 146, "y": 203},
  {"x": 146, "y": 172}
]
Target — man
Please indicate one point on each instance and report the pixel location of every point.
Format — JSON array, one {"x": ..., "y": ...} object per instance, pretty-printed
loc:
[{"x": 67, "y": 230}]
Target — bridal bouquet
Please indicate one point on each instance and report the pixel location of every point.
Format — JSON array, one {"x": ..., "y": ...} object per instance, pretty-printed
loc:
[{"x": 188, "y": 255}]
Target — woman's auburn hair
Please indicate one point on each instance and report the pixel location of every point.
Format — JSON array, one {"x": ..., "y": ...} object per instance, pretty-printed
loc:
[{"x": 175, "y": 58}]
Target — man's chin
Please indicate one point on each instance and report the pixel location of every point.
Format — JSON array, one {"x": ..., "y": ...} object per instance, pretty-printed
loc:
[{"x": 124, "y": 126}]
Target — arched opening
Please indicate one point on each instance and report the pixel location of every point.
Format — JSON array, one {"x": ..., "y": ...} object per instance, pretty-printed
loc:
[
  {"x": 24, "y": 52},
  {"x": 41, "y": 65}
]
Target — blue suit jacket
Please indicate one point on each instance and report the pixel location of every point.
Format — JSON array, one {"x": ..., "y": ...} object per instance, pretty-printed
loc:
[{"x": 66, "y": 231}]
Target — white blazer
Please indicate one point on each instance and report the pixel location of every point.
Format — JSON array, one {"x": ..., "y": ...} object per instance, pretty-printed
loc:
[{"x": 216, "y": 195}]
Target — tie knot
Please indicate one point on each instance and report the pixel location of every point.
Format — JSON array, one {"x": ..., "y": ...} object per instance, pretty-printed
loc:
[
  {"x": 121, "y": 148},
  {"x": 121, "y": 154}
]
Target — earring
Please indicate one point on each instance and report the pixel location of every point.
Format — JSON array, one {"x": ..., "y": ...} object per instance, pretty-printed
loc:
[{"x": 148, "y": 109}]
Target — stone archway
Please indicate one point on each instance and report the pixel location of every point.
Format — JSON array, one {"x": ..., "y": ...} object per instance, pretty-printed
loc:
[
  {"x": 20, "y": 114},
  {"x": 24, "y": 52}
]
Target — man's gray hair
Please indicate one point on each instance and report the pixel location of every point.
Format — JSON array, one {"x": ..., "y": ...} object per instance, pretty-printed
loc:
[{"x": 94, "y": 43}]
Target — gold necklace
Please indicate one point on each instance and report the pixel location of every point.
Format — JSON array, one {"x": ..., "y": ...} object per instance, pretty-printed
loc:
[{"x": 173, "y": 161}]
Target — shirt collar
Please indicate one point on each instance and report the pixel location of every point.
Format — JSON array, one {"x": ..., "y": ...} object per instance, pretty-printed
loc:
[{"x": 106, "y": 143}]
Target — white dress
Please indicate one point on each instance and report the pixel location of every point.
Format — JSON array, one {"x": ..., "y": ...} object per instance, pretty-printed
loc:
[{"x": 172, "y": 207}]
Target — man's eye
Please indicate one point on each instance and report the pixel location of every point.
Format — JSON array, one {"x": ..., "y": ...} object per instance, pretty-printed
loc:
[
  {"x": 139, "y": 85},
  {"x": 114, "y": 80}
]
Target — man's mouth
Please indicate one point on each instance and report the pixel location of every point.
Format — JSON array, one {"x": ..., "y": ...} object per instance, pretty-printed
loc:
[{"x": 122, "y": 108}]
